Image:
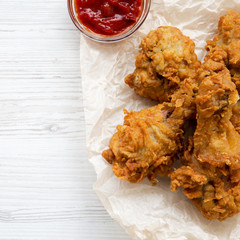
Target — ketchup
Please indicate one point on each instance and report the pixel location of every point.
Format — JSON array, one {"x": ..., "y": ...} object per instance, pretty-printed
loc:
[{"x": 108, "y": 17}]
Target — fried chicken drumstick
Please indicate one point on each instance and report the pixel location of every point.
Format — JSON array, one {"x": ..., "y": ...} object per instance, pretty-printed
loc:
[
  {"x": 146, "y": 145},
  {"x": 166, "y": 58},
  {"x": 210, "y": 175}
]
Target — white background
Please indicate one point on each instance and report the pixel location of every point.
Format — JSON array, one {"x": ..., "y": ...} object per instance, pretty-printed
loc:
[{"x": 45, "y": 177}]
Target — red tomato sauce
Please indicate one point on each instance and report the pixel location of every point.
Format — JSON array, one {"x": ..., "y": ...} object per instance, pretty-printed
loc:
[{"x": 108, "y": 17}]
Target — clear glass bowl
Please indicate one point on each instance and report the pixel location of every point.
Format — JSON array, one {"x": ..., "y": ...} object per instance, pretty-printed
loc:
[{"x": 103, "y": 38}]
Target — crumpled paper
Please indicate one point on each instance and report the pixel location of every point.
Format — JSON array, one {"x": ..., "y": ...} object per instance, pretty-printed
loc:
[{"x": 144, "y": 211}]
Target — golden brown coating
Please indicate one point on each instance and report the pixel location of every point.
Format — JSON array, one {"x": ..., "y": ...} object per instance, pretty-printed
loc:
[
  {"x": 211, "y": 171},
  {"x": 166, "y": 58},
  {"x": 147, "y": 143},
  {"x": 228, "y": 39}
]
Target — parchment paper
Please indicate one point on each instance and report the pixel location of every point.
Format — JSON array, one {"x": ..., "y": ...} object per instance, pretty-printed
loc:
[{"x": 144, "y": 211}]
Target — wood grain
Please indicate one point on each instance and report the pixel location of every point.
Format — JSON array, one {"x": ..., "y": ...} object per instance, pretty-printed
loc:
[{"x": 45, "y": 177}]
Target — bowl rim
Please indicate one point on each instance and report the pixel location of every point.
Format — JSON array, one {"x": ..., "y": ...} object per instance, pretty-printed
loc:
[{"x": 105, "y": 38}]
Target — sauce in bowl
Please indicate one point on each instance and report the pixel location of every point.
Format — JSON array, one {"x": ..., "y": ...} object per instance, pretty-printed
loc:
[{"x": 108, "y": 17}]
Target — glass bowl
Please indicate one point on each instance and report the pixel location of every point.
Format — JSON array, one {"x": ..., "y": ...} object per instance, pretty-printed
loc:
[{"x": 105, "y": 38}]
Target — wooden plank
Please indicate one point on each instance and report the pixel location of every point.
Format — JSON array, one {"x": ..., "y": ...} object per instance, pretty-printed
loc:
[{"x": 45, "y": 177}]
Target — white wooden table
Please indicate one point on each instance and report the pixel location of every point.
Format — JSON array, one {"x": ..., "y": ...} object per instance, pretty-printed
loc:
[{"x": 45, "y": 177}]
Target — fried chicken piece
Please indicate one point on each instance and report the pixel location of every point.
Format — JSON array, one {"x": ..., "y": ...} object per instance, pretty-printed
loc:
[
  {"x": 166, "y": 58},
  {"x": 210, "y": 176},
  {"x": 147, "y": 143},
  {"x": 228, "y": 39}
]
